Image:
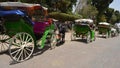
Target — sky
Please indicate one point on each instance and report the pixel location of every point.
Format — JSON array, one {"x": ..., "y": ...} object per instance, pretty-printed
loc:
[{"x": 115, "y": 4}]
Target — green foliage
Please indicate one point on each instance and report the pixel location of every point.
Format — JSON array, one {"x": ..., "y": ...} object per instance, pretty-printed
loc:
[
  {"x": 103, "y": 18},
  {"x": 63, "y": 16},
  {"x": 89, "y": 11},
  {"x": 55, "y": 5},
  {"x": 109, "y": 13},
  {"x": 102, "y": 6},
  {"x": 112, "y": 16},
  {"x": 117, "y": 13},
  {"x": 113, "y": 19}
]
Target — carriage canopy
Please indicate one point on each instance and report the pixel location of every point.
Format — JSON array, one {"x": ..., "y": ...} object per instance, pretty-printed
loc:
[
  {"x": 30, "y": 8},
  {"x": 104, "y": 23},
  {"x": 84, "y": 20}
]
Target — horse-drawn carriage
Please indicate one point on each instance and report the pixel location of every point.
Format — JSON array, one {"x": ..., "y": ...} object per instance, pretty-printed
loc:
[
  {"x": 83, "y": 28},
  {"x": 104, "y": 29},
  {"x": 19, "y": 35}
]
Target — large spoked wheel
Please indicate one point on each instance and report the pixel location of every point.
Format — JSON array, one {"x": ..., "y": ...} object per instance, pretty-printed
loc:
[
  {"x": 21, "y": 47},
  {"x": 4, "y": 43},
  {"x": 53, "y": 41},
  {"x": 73, "y": 35},
  {"x": 88, "y": 38}
]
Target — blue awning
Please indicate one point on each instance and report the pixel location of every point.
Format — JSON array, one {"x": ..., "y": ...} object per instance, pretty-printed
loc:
[
  {"x": 10, "y": 12},
  {"x": 16, "y": 12}
]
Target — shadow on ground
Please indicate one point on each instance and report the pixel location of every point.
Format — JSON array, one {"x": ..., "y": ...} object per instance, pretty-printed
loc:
[
  {"x": 80, "y": 40},
  {"x": 36, "y": 52}
]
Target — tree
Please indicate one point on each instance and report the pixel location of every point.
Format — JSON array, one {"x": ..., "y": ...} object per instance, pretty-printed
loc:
[
  {"x": 55, "y": 5},
  {"x": 109, "y": 13},
  {"x": 117, "y": 13},
  {"x": 101, "y": 6},
  {"x": 113, "y": 18},
  {"x": 64, "y": 6},
  {"x": 89, "y": 11}
]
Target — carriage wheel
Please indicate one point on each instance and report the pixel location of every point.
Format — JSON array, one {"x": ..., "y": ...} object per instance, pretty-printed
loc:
[
  {"x": 4, "y": 43},
  {"x": 88, "y": 37},
  {"x": 22, "y": 46},
  {"x": 107, "y": 36},
  {"x": 116, "y": 33},
  {"x": 53, "y": 41},
  {"x": 94, "y": 36},
  {"x": 73, "y": 35}
]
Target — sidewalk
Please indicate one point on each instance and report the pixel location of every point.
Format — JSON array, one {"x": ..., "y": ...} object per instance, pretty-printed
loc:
[{"x": 68, "y": 36}]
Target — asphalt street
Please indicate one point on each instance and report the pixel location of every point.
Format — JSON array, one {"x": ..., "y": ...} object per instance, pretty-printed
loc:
[{"x": 102, "y": 53}]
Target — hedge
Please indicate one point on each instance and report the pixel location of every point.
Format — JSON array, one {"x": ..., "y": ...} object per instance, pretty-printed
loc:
[{"x": 63, "y": 16}]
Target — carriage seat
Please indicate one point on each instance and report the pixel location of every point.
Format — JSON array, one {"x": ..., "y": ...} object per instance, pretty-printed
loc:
[{"x": 39, "y": 27}]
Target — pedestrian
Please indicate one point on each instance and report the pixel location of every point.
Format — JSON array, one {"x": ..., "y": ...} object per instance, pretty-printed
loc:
[{"x": 62, "y": 30}]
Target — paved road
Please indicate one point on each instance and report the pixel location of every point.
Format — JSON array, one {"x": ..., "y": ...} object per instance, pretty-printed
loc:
[{"x": 103, "y": 53}]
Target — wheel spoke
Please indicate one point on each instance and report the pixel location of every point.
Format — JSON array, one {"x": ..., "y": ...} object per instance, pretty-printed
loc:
[
  {"x": 28, "y": 49},
  {"x": 7, "y": 45},
  {"x": 30, "y": 44},
  {"x": 16, "y": 44},
  {"x": 24, "y": 53},
  {"x": 3, "y": 46},
  {"x": 20, "y": 55},
  {"x": 29, "y": 39},
  {"x": 23, "y": 37},
  {"x": 5, "y": 37},
  {"x": 15, "y": 51},
  {"x": 26, "y": 38}
]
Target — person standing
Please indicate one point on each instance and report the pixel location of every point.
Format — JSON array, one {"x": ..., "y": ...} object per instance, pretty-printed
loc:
[{"x": 62, "y": 30}]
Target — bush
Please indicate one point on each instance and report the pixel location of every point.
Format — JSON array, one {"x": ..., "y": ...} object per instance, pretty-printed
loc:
[{"x": 63, "y": 16}]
